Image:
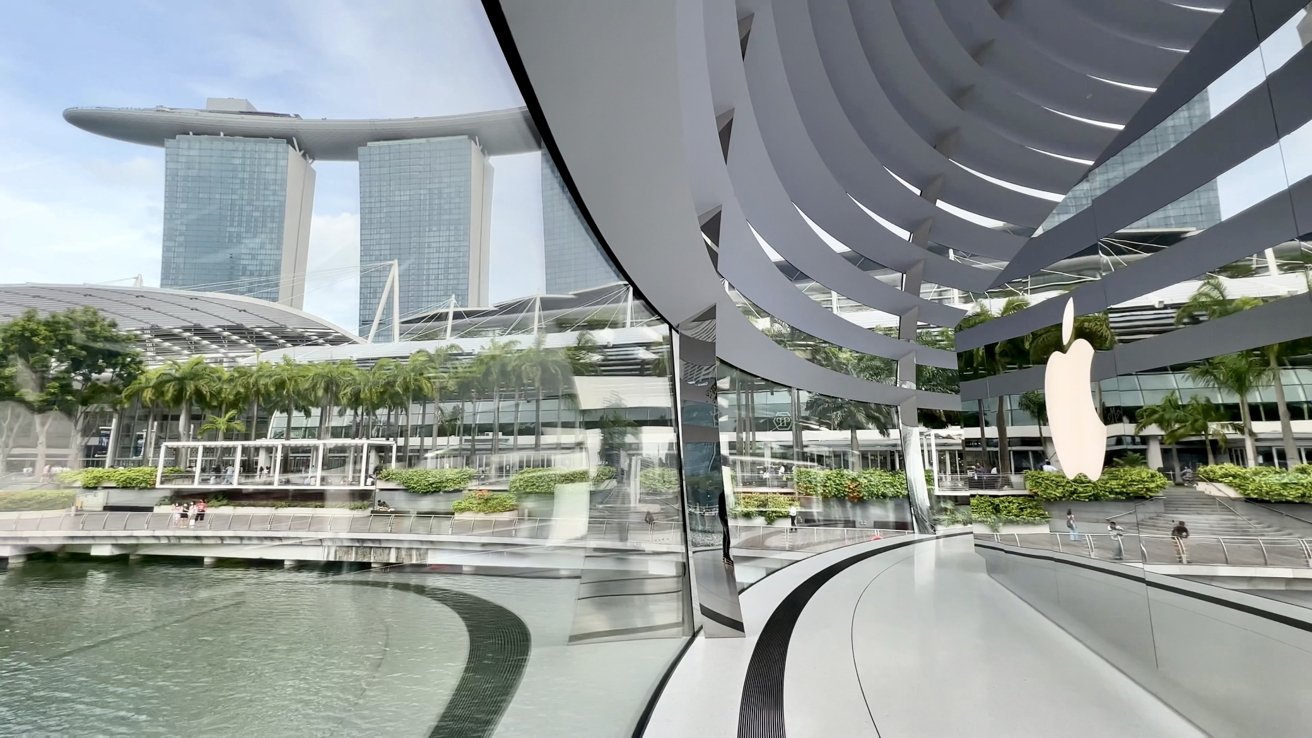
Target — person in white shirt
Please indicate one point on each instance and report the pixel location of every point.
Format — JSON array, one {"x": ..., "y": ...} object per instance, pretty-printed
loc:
[{"x": 1048, "y": 466}]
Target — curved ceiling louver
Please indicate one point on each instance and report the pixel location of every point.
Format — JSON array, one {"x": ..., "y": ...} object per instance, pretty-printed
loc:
[{"x": 889, "y": 126}]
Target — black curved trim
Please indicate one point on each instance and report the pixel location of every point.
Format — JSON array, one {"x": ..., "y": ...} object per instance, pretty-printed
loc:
[
  {"x": 499, "y": 646},
  {"x": 722, "y": 619},
  {"x": 1274, "y": 617},
  {"x": 761, "y": 712},
  {"x": 640, "y": 728}
]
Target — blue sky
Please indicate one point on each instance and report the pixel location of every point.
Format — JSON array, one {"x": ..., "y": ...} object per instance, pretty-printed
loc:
[{"x": 75, "y": 207}]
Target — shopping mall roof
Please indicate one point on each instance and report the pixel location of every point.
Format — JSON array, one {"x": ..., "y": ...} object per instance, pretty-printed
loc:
[
  {"x": 175, "y": 324},
  {"x": 498, "y": 132}
]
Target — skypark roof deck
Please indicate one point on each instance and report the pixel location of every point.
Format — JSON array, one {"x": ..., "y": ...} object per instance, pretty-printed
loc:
[{"x": 498, "y": 132}]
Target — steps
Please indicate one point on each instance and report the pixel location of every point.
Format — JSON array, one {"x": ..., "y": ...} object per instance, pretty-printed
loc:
[{"x": 1204, "y": 516}]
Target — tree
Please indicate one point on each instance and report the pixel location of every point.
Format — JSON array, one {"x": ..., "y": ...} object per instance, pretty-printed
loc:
[
  {"x": 1240, "y": 374},
  {"x": 1206, "y": 419},
  {"x": 12, "y": 414},
  {"x": 1170, "y": 417},
  {"x": 1036, "y": 405},
  {"x": 411, "y": 379},
  {"x": 189, "y": 386},
  {"x": 288, "y": 393},
  {"x": 256, "y": 384},
  {"x": 327, "y": 382},
  {"x": 1211, "y": 301},
  {"x": 494, "y": 365},
  {"x": 994, "y": 359},
  {"x": 66, "y": 364},
  {"x": 540, "y": 366},
  {"x": 221, "y": 425},
  {"x": 142, "y": 391},
  {"x": 842, "y": 414},
  {"x": 434, "y": 364}
]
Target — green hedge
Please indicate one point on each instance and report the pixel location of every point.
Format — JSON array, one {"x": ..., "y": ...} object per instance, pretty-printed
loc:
[
  {"x": 485, "y": 502},
  {"x": 1266, "y": 483},
  {"x": 1118, "y": 483},
  {"x": 429, "y": 481},
  {"x": 37, "y": 499},
  {"x": 870, "y": 484},
  {"x": 808, "y": 481},
  {"x": 660, "y": 480},
  {"x": 772, "y": 507},
  {"x": 997, "y": 511},
  {"x": 544, "y": 481},
  {"x": 132, "y": 477},
  {"x": 603, "y": 473}
]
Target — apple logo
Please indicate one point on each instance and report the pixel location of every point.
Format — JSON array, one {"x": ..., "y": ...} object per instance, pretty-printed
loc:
[{"x": 1078, "y": 433}]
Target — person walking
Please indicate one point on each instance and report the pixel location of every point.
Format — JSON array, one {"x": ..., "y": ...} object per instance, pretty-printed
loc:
[
  {"x": 198, "y": 513},
  {"x": 792, "y": 514},
  {"x": 1178, "y": 534},
  {"x": 1117, "y": 534},
  {"x": 176, "y": 522},
  {"x": 184, "y": 515},
  {"x": 1071, "y": 526}
]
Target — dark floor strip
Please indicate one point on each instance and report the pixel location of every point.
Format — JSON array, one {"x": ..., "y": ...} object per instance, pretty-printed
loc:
[
  {"x": 761, "y": 712},
  {"x": 499, "y": 645}
]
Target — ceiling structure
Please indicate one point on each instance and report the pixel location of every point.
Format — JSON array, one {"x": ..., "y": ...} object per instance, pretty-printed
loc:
[
  {"x": 179, "y": 324},
  {"x": 932, "y": 137}
]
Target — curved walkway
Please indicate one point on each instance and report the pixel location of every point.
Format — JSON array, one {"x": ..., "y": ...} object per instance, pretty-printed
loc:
[{"x": 901, "y": 639}]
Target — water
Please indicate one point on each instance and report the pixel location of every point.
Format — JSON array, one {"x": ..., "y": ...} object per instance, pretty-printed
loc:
[{"x": 111, "y": 648}]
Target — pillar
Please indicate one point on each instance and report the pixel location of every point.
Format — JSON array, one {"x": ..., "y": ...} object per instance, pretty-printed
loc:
[
  {"x": 714, "y": 594},
  {"x": 1155, "y": 452},
  {"x": 210, "y": 561},
  {"x": 16, "y": 560},
  {"x": 290, "y": 563}
]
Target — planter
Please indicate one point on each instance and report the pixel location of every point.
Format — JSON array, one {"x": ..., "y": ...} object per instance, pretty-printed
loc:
[
  {"x": 142, "y": 499},
  {"x": 885, "y": 513},
  {"x": 783, "y": 522},
  {"x": 1023, "y": 529},
  {"x": 400, "y": 499},
  {"x": 508, "y": 515}
]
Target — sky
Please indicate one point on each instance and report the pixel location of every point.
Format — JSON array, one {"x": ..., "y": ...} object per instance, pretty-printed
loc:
[{"x": 76, "y": 207}]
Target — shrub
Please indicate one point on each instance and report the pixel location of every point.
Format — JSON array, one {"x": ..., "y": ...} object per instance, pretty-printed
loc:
[
  {"x": 429, "y": 481},
  {"x": 998, "y": 511},
  {"x": 661, "y": 480},
  {"x": 808, "y": 481},
  {"x": 951, "y": 514},
  {"x": 37, "y": 499},
  {"x": 772, "y": 507},
  {"x": 1117, "y": 483},
  {"x": 603, "y": 473},
  {"x": 133, "y": 477},
  {"x": 870, "y": 484},
  {"x": 544, "y": 481},
  {"x": 485, "y": 502},
  {"x": 1266, "y": 483},
  {"x": 1303, "y": 469},
  {"x": 1132, "y": 458}
]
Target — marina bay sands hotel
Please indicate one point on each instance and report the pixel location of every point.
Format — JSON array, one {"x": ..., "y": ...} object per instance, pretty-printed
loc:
[{"x": 239, "y": 190}]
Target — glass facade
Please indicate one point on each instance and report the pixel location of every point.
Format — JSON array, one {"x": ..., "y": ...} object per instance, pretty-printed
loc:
[
  {"x": 236, "y": 217},
  {"x": 424, "y": 203},
  {"x": 574, "y": 260},
  {"x": 1200, "y": 209}
]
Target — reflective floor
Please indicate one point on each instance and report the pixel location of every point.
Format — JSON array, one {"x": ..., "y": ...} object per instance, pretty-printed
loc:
[{"x": 916, "y": 641}]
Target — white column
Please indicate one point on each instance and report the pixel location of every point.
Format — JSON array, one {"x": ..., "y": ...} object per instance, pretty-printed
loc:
[
  {"x": 1155, "y": 452},
  {"x": 277, "y": 464},
  {"x": 236, "y": 466},
  {"x": 318, "y": 464},
  {"x": 200, "y": 457}
]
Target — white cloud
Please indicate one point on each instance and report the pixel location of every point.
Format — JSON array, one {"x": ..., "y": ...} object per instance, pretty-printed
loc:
[{"x": 332, "y": 289}]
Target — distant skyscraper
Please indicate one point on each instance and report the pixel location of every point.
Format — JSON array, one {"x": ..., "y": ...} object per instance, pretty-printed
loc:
[
  {"x": 237, "y": 216},
  {"x": 574, "y": 259},
  {"x": 425, "y": 203},
  {"x": 1199, "y": 209}
]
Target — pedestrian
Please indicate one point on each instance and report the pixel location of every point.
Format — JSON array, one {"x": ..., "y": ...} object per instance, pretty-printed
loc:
[
  {"x": 198, "y": 514},
  {"x": 792, "y": 514},
  {"x": 1117, "y": 534},
  {"x": 1178, "y": 534},
  {"x": 184, "y": 513},
  {"x": 1070, "y": 525},
  {"x": 1048, "y": 466},
  {"x": 649, "y": 519}
]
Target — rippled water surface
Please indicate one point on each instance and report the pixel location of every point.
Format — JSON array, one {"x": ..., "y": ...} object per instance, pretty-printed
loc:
[{"x": 141, "y": 649}]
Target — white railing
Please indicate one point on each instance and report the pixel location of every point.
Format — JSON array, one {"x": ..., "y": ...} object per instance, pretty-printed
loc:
[{"x": 1277, "y": 551}]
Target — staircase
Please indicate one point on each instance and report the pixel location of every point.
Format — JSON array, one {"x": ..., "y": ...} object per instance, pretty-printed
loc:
[{"x": 1204, "y": 516}]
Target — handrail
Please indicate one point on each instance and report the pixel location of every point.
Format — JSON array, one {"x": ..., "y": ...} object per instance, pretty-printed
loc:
[{"x": 1289, "y": 552}]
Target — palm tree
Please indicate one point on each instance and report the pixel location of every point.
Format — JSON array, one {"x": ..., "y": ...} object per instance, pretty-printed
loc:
[
  {"x": 189, "y": 386},
  {"x": 1036, "y": 405},
  {"x": 434, "y": 364},
  {"x": 852, "y": 416},
  {"x": 220, "y": 425},
  {"x": 288, "y": 391},
  {"x": 327, "y": 383},
  {"x": 495, "y": 365},
  {"x": 1171, "y": 419},
  {"x": 1240, "y": 374},
  {"x": 255, "y": 382},
  {"x": 992, "y": 360},
  {"x": 538, "y": 367},
  {"x": 143, "y": 391},
  {"x": 1211, "y": 301},
  {"x": 1205, "y": 418},
  {"x": 411, "y": 379}
]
